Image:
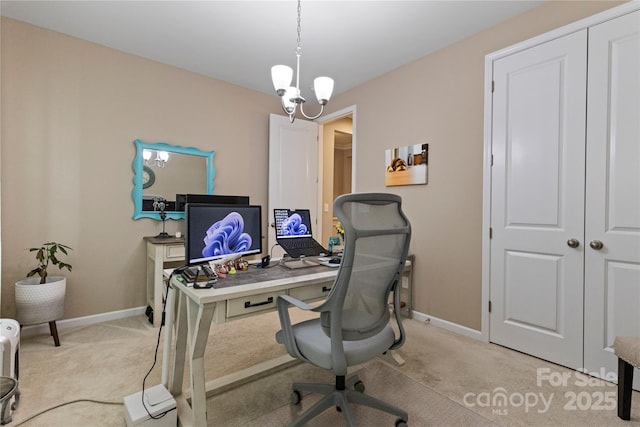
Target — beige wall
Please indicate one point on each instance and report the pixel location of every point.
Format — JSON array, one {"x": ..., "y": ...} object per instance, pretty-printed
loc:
[
  {"x": 70, "y": 113},
  {"x": 439, "y": 100},
  {"x": 71, "y": 109}
]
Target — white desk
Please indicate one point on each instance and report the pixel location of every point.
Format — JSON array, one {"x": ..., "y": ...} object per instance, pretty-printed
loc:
[{"x": 245, "y": 294}]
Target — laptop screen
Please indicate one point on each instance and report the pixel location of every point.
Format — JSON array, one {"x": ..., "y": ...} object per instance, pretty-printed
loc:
[{"x": 292, "y": 223}]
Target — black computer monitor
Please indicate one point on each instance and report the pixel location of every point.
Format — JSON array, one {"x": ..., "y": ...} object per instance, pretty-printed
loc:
[
  {"x": 219, "y": 231},
  {"x": 214, "y": 199}
]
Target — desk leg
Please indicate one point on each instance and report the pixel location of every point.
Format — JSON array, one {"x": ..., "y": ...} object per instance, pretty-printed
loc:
[
  {"x": 396, "y": 357},
  {"x": 168, "y": 336},
  {"x": 176, "y": 375},
  {"x": 158, "y": 282},
  {"x": 199, "y": 320}
]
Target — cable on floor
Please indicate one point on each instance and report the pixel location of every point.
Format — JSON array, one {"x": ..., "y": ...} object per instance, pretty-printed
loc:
[
  {"x": 155, "y": 353},
  {"x": 112, "y": 403},
  {"x": 65, "y": 404}
]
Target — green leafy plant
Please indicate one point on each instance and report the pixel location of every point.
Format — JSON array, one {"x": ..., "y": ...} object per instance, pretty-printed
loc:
[{"x": 48, "y": 254}]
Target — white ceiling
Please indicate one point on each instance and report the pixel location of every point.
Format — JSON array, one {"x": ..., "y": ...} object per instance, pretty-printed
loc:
[{"x": 238, "y": 41}]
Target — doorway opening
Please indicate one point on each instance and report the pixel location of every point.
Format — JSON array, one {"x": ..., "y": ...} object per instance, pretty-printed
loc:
[{"x": 337, "y": 167}]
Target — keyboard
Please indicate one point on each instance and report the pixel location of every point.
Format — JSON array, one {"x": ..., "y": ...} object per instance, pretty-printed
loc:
[{"x": 302, "y": 244}]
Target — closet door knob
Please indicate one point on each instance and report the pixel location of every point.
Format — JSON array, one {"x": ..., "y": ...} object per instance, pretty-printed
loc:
[
  {"x": 573, "y": 243},
  {"x": 596, "y": 244}
]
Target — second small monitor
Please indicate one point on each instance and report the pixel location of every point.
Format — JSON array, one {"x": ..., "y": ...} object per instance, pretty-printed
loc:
[{"x": 216, "y": 199}]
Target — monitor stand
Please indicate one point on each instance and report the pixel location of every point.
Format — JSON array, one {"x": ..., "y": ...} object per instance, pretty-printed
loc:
[{"x": 299, "y": 263}]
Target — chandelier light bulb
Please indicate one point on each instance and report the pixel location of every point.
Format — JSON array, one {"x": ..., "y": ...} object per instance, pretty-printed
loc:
[
  {"x": 163, "y": 156},
  {"x": 323, "y": 87},
  {"x": 288, "y": 102},
  {"x": 281, "y": 76}
]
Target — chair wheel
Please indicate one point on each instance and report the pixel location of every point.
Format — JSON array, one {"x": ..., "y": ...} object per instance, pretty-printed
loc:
[
  {"x": 339, "y": 409},
  {"x": 295, "y": 397},
  {"x": 401, "y": 423},
  {"x": 359, "y": 386}
]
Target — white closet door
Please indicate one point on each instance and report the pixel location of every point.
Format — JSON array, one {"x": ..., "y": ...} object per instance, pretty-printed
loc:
[
  {"x": 293, "y": 172},
  {"x": 612, "y": 273},
  {"x": 537, "y": 200}
]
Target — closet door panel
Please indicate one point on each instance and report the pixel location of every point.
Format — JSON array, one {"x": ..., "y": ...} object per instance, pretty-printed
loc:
[
  {"x": 537, "y": 200},
  {"x": 612, "y": 273}
]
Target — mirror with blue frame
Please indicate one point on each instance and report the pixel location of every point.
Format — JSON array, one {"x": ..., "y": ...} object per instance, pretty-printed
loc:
[{"x": 163, "y": 171}]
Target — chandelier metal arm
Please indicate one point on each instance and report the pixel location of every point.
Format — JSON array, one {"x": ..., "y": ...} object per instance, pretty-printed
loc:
[
  {"x": 312, "y": 117},
  {"x": 291, "y": 112}
]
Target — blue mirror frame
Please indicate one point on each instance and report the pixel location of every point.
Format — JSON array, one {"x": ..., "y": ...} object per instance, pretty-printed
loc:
[{"x": 138, "y": 166}]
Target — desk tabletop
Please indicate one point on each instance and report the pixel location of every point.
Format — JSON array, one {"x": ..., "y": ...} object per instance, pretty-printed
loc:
[{"x": 257, "y": 280}]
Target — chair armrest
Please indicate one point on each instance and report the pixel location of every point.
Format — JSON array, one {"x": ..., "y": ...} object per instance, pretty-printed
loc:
[
  {"x": 286, "y": 332},
  {"x": 396, "y": 313},
  {"x": 300, "y": 304}
]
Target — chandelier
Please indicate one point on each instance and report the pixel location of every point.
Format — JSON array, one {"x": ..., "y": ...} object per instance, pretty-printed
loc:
[
  {"x": 290, "y": 95},
  {"x": 161, "y": 158}
]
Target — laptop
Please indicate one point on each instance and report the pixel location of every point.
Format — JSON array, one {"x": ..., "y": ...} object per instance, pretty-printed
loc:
[{"x": 293, "y": 233}]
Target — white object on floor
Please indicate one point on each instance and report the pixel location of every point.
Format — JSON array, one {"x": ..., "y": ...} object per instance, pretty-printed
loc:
[
  {"x": 157, "y": 401},
  {"x": 9, "y": 355}
]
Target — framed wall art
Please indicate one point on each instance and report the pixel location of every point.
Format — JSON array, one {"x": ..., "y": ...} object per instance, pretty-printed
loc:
[{"x": 406, "y": 165}]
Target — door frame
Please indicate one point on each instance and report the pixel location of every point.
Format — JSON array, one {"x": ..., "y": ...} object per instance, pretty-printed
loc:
[
  {"x": 347, "y": 111},
  {"x": 488, "y": 131}
]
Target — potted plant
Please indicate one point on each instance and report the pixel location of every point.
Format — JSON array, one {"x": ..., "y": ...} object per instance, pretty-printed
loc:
[
  {"x": 340, "y": 246},
  {"x": 340, "y": 230},
  {"x": 40, "y": 297}
]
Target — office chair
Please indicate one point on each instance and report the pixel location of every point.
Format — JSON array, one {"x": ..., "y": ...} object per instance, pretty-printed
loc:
[{"x": 354, "y": 321}]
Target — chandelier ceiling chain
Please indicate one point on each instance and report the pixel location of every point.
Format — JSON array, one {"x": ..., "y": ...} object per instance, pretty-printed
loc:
[
  {"x": 290, "y": 95},
  {"x": 299, "y": 49}
]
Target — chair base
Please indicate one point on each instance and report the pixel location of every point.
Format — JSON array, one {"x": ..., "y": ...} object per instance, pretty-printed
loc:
[
  {"x": 341, "y": 395},
  {"x": 625, "y": 388}
]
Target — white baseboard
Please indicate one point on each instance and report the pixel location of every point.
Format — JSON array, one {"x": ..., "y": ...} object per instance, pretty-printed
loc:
[
  {"x": 32, "y": 330},
  {"x": 28, "y": 331},
  {"x": 449, "y": 326}
]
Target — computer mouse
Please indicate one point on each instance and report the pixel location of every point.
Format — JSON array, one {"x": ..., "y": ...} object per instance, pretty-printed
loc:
[{"x": 334, "y": 261}]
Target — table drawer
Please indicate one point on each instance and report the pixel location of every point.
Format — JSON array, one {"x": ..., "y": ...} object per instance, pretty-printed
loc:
[
  {"x": 174, "y": 252},
  {"x": 308, "y": 293},
  {"x": 252, "y": 304}
]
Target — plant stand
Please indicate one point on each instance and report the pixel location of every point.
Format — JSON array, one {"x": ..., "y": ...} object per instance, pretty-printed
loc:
[{"x": 54, "y": 333}]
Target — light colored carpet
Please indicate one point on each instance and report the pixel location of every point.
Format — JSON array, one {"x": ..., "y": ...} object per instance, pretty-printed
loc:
[
  {"x": 425, "y": 407},
  {"x": 107, "y": 361}
]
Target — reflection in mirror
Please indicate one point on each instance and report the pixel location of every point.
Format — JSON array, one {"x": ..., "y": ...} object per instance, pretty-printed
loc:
[
  {"x": 162, "y": 170},
  {"x": 170, "y": 178}
]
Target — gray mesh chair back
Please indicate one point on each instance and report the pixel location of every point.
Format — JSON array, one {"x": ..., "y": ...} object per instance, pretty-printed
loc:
[{"x": 354, "y": 323}]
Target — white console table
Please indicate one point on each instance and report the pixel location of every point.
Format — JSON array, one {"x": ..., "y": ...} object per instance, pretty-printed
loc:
[{"x": 161, "y": 254}]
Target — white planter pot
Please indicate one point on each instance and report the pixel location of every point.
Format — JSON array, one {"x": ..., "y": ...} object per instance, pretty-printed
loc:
[{"x": 40, "y": 303}]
